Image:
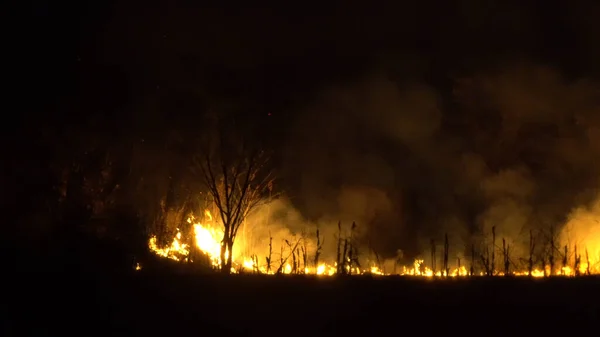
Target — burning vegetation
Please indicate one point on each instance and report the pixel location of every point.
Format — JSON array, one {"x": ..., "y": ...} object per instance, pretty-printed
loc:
[
  {"x": 548, "y": 254},
  {"x": 381, "y": 183},
  {"x": 240, "y": 206}
]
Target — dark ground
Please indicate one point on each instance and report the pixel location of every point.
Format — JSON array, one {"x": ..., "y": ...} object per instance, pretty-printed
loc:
[{"x": 171, "y": 303}]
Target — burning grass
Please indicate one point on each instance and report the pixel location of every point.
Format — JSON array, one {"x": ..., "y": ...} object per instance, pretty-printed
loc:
[{"x": 547, "y": 255}]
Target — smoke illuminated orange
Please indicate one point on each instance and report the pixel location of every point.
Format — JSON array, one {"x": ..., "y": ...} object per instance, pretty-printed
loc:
[{"x": 207, "y": 237}]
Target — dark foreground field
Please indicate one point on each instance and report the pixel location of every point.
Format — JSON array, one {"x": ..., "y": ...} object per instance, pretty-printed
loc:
[{"x": 169, "y": 304}]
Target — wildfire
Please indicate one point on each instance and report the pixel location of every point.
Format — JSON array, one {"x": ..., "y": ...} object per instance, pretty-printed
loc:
[
  {"x": 175, "y": 251},
  {"x": 206, "y": 238}
]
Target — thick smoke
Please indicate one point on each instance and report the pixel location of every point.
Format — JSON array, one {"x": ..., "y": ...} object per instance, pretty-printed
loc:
[
  {"x": 583, "y": 230},
  {"x": 278, "y": 221},
  {"x": 513, "y": 148}
]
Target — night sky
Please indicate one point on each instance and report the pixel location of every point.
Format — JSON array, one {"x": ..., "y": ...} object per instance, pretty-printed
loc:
[
  {"x": 278, "y": 57},
  {"x": 412, "y": 119}
]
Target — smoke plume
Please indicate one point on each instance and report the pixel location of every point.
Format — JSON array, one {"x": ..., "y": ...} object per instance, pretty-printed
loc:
[{"x": 513, "y": 148}]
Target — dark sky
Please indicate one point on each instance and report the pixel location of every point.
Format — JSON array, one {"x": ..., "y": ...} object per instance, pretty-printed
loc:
[
  {"x": 412, "y": 118},
  {"x": 278, "y": 56}
]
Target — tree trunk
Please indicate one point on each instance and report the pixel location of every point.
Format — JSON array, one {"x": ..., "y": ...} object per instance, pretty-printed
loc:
[
  {"x": 230, "y": 255},
  {"x": 226, "y": 253},
  {"x": 224, "y": 268}
]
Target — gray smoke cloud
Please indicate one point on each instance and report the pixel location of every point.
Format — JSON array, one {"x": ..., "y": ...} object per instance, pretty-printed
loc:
[{"x": 515, "y": 148}]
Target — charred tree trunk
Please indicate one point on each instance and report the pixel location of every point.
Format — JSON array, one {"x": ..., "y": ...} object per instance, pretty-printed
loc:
[
  {"x": 446, "y": 251},
  {"x": 350, "y": 258},
  {"x": 551, "y": 257},
  {"x": 225, "y": 267},
  {"x": 223, "y": 257},
  {"x": 281, "y": 266},
  {"x": 269, "y": 258},
  {"x": 472, "y": 271},
  {"x": 318, "y": 250},
  {"x": 565, "y": 260},
  {"x": 505, "y": 256},
  {"x": 229, "y": 255},
  {"x": 351, "y": 252},
  {"x": 577, "y": 262},
  {"x": 345, "y": 257},
  {"x": 304, "y": 258},
  {"x": 588, "y": 271},
  {"x": 339, "y": 247},
  {"x": 486, "y": 261},
  {"x": 493, "y": 267},
  {"x": 531, "y": 250},
  {"x": 433, "y": 256},
  {"x": 294, "y": 262}
]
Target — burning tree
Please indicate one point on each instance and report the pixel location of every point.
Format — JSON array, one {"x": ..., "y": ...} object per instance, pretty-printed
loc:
[{"x": 236, "y": 174}]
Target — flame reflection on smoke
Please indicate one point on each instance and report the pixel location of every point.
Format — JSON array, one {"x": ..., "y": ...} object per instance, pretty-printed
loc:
[{"x": 207, "y": 240}]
